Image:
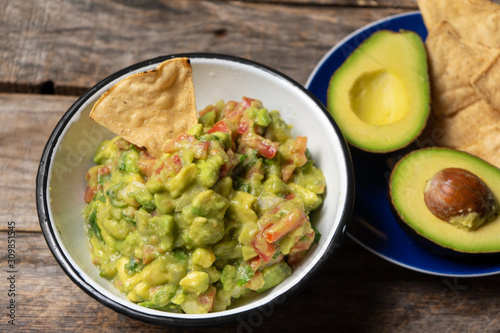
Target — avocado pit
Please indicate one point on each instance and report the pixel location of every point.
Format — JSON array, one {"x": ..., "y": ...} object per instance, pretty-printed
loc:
[{"x": 461, "y": 198}]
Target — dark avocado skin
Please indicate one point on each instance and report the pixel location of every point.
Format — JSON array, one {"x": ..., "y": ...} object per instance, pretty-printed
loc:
[{"x": 436, "y": 248}]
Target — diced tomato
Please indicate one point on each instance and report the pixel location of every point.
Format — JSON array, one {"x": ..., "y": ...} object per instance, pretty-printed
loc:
[
  {"x": 244, "y": 125},
  {"x": 174, "y": 145},
  {"x": 146, "y": 166},
  {"x": 224, "y": 170},
  {"x": 229, "y": 165},
  {"x": 267, "y": 148},
  {"x": 246, "y": 102},
  {"x": 233, "y": 113},
  {"x": 176, "y": 162},
  {"x": 299, "y": 151},
  {"x": 287, "y": 171},
  {"x": 233, "y": 119},
  {"x": 220, "y": 126},
  {"x": 148, "y": 253},
  {"x": 256, "y": 263},
  {"x": 287, "y": 224},
  {"x": 90, "y": 192},
  {"x": 299, "y": 250},
  {"x": 256, "y": 168},
  {"x": 265, "y": 249},
  {"x": 295, "y": 258},
  {"x": 296, "y": 157},
  {"x": 229, "y": 108},
  {"x": 181, "y": 139},
  {"x": 207, "y": 299},
  {"x": 304, "y": 243},
  {"x": 301, "y": 143},
  {"x": 172, "y": 165},
  {"x": 259, "y": 130},
  {"x": 264, "y": 147},
  {"x": 200, "y": 149},
  {"x": 105, "y": 170}
]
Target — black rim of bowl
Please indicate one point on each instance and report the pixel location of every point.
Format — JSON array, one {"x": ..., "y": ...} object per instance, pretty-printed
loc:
[{"x": 49, "y": 232}]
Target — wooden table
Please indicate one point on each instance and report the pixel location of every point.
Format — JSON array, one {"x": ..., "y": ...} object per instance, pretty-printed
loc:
[{"x": 53, "y": 50}]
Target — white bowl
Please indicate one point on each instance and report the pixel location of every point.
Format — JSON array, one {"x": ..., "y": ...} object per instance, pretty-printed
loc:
[{"x": 68, "y": 156}]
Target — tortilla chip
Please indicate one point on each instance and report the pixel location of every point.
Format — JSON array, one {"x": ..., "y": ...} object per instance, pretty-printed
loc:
[
  {"x": 477, "y": 21},
  {"x": 463, "y": 48},
  {"x": 464, "y": 128},
  {"x": 149, "y": 108},
  {"x": 452, "y": 63},
  {"x": 488, "y": 144},
  {"x": 487, "y": 84}
]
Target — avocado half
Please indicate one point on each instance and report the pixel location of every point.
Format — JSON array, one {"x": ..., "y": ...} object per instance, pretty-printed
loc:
[
  {"x": 380, "y": 96},
  {"x": 406, "y": 193}
]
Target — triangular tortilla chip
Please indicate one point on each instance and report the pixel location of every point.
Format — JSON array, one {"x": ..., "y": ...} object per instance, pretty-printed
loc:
[
  {"x": 488, "y": 144},
  {"x": 149, "y": 108},
  {"x": 463, "y": 45},
  {"x": 463, "y": 129},
  {"x": 452, "y": 63},
  {"x": 477, "y": 21},
  {"x": 487, "y": 84}
]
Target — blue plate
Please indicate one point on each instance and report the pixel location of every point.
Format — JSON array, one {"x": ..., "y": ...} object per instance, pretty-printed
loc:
[{"x": 373, "y": 225}]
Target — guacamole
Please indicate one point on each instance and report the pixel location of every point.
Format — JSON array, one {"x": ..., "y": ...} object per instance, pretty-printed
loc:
[{"x": 222, "y": 214}]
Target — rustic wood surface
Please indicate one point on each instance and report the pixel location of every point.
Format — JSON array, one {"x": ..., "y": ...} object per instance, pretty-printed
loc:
[
  {"x": 54, "y": 50},
  {"x": 67, "y": 46}
]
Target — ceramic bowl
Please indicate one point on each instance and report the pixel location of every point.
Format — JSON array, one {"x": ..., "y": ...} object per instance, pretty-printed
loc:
[{"x": 68, "y": 155}]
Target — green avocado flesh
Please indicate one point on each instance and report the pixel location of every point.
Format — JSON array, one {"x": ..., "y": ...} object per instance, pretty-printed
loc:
[
  {"x": 380, "y": 96},
  {"x": 407, "y": 184}
]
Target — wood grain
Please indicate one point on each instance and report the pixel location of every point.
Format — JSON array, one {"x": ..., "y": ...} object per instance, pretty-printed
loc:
[
  {"x": 347, "y": 3},
  {"x": 355, "y": 292},
  {"x": 27, "y": 122},
  {"x": 64, "y": 47}
]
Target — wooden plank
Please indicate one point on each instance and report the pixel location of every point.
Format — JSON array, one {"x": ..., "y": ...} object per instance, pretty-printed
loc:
[
  {"x": 64, "y": 47},
  {"x": 355, "y": 292},
  {"x": 348, "y": 3},
  {"x": 408, "y": 4},
  {"x": 27, "y": 122},
  {"x": 47, "y": 300}
]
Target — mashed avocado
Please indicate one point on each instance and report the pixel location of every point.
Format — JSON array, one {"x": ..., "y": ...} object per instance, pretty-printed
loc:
[{"x": 223, "y": 213}]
